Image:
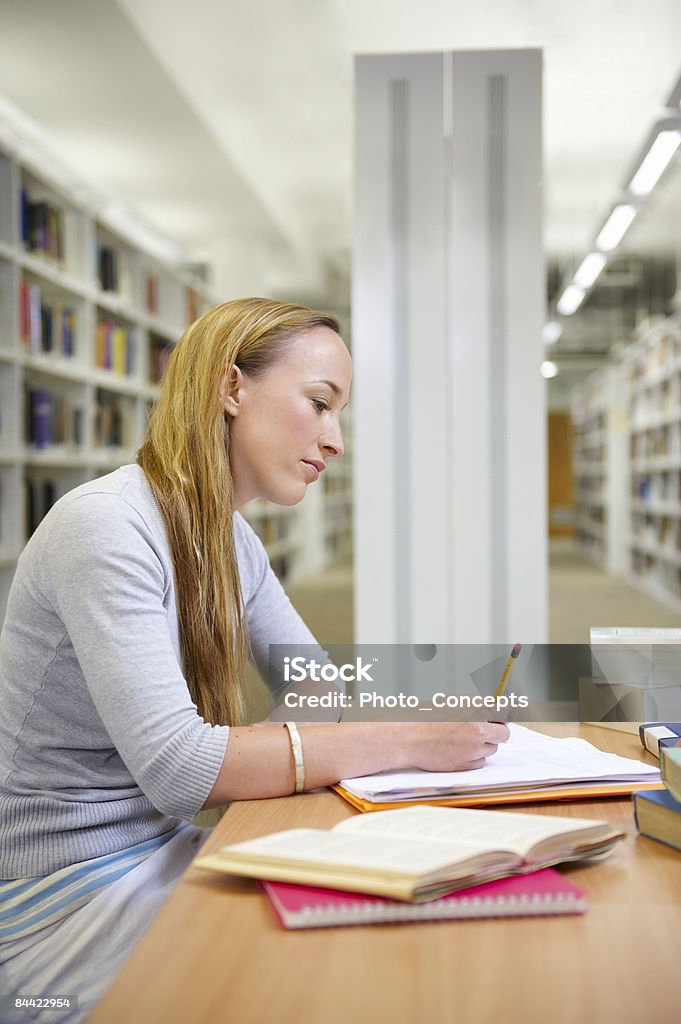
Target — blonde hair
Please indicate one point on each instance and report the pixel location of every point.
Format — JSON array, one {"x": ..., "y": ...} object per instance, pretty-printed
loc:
[{"x": 185, "y": 457}]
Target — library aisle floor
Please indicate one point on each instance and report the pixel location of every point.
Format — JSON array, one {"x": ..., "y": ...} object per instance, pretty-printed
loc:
[{"x": 581, "y": 595}]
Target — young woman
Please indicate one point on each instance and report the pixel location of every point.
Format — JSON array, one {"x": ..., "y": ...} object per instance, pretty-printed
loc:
[{"x": 134, "y": 609}]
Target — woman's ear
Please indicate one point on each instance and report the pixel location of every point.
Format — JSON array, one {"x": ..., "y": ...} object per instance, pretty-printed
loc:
[{"x": 231, "y": 390}]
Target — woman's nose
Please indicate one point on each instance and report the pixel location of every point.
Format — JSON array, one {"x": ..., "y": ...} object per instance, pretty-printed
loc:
[{"x": 333, "y": 443}]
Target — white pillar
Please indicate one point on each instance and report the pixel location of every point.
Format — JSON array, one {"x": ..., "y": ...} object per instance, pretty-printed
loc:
[{"x": 449, "y": 451}]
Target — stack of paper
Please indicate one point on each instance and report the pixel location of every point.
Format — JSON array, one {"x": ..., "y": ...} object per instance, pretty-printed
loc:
[{"x": 529, "y": 766}]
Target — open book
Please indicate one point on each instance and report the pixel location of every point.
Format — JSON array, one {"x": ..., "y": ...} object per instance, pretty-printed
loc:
[{"x": 416, "y": 853}]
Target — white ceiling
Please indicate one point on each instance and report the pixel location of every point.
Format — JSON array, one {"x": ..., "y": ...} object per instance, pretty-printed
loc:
[{"x": 228, "y": 123}]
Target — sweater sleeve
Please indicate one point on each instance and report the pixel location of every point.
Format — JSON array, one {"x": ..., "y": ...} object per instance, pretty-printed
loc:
[
  {"x": 106, "y": 580},
  {"x": 270, "y": 616}
]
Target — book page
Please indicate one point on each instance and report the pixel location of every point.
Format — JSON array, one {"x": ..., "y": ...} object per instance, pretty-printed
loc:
[
  {"x": 528, "y": 759},
  {"x": 458, "y": 827},
  {"x": 366, "y": 853}
]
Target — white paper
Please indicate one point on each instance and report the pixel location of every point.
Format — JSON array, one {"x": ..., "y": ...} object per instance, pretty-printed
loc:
[
  {"x": 528, "y": 759},
  {"x": 459, "y": 826}
]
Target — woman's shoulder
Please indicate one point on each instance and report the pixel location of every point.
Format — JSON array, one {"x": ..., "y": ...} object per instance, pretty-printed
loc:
[
  {"x": 101, "y": 506},
  {"x": 251, "y": 556}
]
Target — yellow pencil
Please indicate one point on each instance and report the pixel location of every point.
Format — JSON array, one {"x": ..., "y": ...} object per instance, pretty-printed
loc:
[{"x": 507, "y": 671}]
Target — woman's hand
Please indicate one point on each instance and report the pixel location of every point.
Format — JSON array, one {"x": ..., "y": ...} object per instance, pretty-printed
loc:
[{"x": 452, "y": 746}]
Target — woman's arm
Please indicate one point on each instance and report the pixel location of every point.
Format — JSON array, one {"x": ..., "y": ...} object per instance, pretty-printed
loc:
[{"x": 259, "y": 762}]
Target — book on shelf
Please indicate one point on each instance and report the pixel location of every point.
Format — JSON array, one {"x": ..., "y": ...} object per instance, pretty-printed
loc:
[
  {"x": 45, "y": 326},
  {"x": 417, "y": 853},
  {"x": 53, "y": 418},
  {"x": 655, "y": 735},
  {"x": 542, "y": 893},
  {"x": 114, "y": 424},
  {"x": 114, "y": 348},
  {"x": 670, "y": 764},
  {"x": 42, "y": 227},
  {"x": 152, "y": 293},
  {"x": 41, "y": 495},
  {"x": 529, "y": 767},
  {"x": 658, "y": 816},
  {"x": 107, "y": 268},
  {"x": 41, "y": 413},
  {"x": 159, "y": 353},
  {"x": 191, "y": 305}
]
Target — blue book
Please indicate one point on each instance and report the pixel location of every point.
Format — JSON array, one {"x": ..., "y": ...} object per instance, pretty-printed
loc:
[
  {"x": 658, "y": 816},
  {"x": 654, "y": 735}
]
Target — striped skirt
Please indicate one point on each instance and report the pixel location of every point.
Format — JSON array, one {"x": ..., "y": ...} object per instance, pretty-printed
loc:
[{"x": 68, "y": 934}]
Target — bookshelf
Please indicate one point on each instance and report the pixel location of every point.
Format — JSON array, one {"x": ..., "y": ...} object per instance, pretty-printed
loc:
[
  {"x": 87, "y": 317},
  {"x": 653, "y": 372},
  {"x": 600, "y": 467}
]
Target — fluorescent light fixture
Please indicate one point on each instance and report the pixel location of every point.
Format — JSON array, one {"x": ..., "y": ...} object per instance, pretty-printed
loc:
[
  {"x": 570, "y": 300},
  {"x": 616, "y": 227},
  {"x": 551, "y": 332},
  {"x": 548, "y": 369},
  {"x": 655, "y": 162},
  {"x": 589, "y": 269}
]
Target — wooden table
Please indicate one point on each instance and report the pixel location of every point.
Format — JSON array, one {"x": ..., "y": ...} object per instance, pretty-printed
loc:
[{"x": 216, "y": 952}]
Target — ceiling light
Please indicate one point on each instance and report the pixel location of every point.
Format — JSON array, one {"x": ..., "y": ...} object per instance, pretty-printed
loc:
[
  {"x": 548, "y": 369},
  {"x": 551, "y": 332},
  {"x": 655, "y": 162},
  {"x": 616, "y": 227},
  {"x": 570, "y": 300},
  {"x": 589, "y": 269}
]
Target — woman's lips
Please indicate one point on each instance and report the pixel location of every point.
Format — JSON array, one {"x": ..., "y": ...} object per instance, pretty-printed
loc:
[{"x": 314, "y": 467}]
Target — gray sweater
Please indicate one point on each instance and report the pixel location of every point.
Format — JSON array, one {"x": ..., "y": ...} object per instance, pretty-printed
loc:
[{"x": 101, "y": 746}]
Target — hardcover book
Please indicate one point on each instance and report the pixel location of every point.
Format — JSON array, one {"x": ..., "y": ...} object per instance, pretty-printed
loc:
[
  {"x": 655, "y": 735},
  {"x": 658, "y": 816},
  {"x": 417, "y": 853},
  {"x": 670, "y": 765}
]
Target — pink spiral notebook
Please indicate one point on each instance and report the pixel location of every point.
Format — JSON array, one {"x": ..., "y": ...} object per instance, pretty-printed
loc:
[{"x": 539, "y": 894}]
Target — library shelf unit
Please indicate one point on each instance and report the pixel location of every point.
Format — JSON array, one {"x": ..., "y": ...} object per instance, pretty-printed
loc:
[
  {"x": 88, "y": 315},
  {"x": 599, "y": 467},
  {"x": 277, "y": 526},
  {"x": 653, "y": 372},
  {"x": 87, "y": 318}
]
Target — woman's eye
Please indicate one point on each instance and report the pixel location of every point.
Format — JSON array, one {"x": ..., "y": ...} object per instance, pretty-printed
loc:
[{"x": 319, "y": 406}]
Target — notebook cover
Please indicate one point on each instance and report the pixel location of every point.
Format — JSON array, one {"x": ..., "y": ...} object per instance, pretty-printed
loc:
[
  {"x": 523, "y": 796},
  {"x": 538, "y": 894}
]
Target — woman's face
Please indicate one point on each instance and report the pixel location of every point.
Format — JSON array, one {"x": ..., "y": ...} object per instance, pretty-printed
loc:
[{"x": 285, "y": 423}]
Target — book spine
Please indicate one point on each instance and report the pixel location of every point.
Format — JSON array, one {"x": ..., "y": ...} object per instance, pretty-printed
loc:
[
  {"x": 24, "y": 208},
  {"x": 41, "y": 417},
  {"x": 35, "y": 317},
  {"x": 24, "y": 314},
  {"x": 670, "y": 768}
]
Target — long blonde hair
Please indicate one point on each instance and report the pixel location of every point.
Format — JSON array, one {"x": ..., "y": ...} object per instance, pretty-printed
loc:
[{"x": 185, "y": 457}]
